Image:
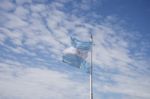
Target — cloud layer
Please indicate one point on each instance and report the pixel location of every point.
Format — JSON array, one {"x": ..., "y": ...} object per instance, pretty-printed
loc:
[{"x": 33, "y": 35}]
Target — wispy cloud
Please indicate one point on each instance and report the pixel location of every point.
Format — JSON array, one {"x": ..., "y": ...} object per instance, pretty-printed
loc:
[
  {"x": 21, "y": 81},
  {"x": 36, "y": 33}
]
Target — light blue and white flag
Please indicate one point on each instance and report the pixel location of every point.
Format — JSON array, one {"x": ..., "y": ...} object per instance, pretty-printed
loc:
[
  {"x": 76, "y": 54},
  {"x": 83, "y": 45}
]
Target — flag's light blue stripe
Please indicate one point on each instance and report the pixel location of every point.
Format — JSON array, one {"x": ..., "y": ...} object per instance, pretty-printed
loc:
[
  {"x": 73, "y": 60},
  {"x": 85, "y": 67},
  {"x": 84, "y": 45}
]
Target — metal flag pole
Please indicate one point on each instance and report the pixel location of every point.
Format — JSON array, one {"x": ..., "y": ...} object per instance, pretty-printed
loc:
[{"x": 91, "y": 71}]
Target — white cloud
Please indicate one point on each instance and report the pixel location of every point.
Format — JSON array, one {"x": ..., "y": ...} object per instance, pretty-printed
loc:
[
  {"x": 22, "y": 12},
  {"x": 14, "y": 22},
  {"x": 46, "y": 29},
  {"x": 2, "y": 38},
  {"x": 20, "y": 81},
  {"x": 6, "y": 5},
  {"x": 21, "y": 2}
]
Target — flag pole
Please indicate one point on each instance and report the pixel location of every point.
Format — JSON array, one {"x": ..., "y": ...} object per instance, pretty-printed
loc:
[{"x": 91, "y": 70}]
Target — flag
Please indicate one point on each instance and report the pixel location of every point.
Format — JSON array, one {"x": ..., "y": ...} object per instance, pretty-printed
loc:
[
  {"x": 83, "y": 45},
  {"x": 76, "y": 54}
]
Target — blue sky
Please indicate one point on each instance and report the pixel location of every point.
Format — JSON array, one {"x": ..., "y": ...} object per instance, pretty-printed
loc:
[{"x": 34, "y": 34}]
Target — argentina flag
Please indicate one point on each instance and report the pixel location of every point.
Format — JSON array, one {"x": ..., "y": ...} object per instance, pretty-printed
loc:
[{"x": 76, "y": 54}]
